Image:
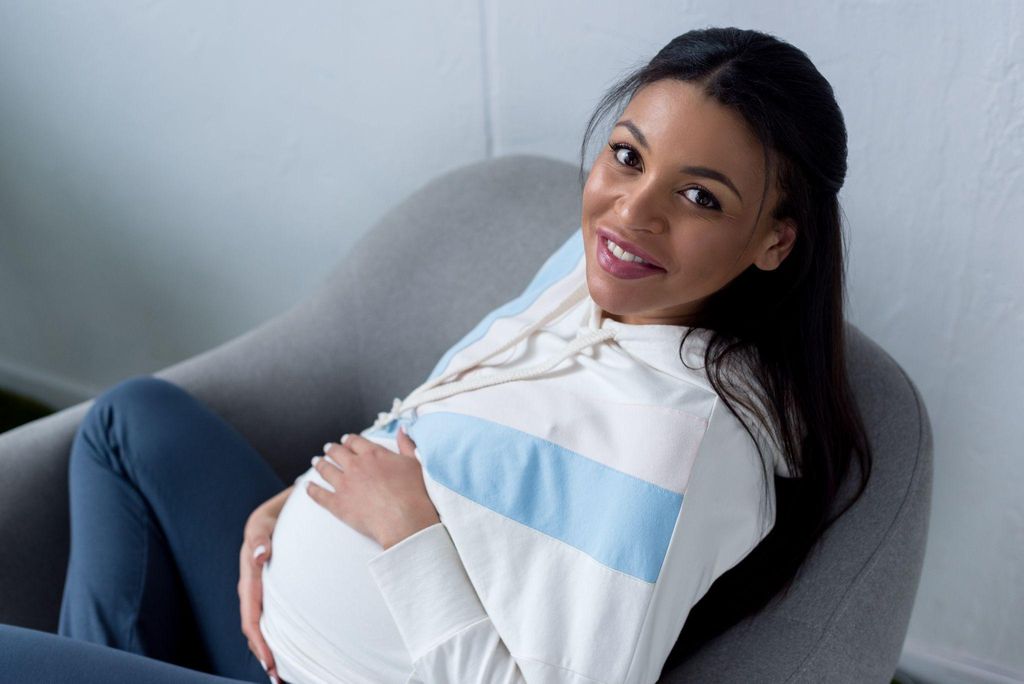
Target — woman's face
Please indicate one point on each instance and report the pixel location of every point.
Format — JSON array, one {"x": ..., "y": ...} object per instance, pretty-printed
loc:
[{"x": 679, "y": 185}]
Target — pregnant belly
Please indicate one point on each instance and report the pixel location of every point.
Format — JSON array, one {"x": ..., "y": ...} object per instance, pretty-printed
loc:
[{"x": 324, "y": 618}]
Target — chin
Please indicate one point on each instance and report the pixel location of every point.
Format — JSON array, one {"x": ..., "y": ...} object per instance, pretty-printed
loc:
[{"x": 611, "y": 299}]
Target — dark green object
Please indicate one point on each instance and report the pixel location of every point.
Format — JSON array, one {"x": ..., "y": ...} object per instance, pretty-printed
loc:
[{"x": 16, "y": 410}]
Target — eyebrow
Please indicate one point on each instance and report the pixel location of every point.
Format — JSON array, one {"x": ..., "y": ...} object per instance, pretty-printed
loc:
[{"x": 702, "y": 171}]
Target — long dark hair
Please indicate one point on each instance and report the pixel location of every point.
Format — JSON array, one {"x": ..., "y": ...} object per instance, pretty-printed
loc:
[{"x": 775, "y": 348}]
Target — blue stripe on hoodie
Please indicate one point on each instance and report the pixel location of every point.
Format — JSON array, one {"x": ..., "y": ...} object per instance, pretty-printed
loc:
[{"x": 619, "y": 520}]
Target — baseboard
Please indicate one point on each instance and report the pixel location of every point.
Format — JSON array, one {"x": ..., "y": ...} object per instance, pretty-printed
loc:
[
  {"x": 927, "y": 665},
  {"x": 44, "y": 387}
]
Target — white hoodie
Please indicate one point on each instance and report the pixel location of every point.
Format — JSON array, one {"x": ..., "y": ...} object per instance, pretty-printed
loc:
[{"x": 590, "y": 487}]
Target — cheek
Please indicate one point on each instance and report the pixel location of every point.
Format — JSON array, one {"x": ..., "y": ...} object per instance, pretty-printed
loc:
[
  {"x": 704, "y": 258},
  {"x": 597, "y": 192}
]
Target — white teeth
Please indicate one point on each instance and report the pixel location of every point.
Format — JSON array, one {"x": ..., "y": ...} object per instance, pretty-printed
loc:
[{"x": 623, "y": 254}]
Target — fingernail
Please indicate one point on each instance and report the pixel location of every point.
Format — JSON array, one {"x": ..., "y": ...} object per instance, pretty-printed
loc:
[
  {"x": 313, "y": 461},
  {"x": 274, "y": 679},
  {"x": 326, "y": 446},
  {"x": 344, "y": 437},
  {"x": 264, "y": 665},
  {"x": 261, "y": 549}
]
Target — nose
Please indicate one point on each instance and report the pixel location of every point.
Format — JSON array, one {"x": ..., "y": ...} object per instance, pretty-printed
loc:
[{"x": 640, "y": 206}]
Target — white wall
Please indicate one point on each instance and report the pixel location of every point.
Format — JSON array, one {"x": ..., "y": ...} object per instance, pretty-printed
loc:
[{"x": 172, "y": 174}]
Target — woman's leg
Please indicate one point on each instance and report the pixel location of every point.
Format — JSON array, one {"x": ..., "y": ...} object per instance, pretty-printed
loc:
[
  {"x": 28, "y": 655},
  {"x": 160, "y": 490}
]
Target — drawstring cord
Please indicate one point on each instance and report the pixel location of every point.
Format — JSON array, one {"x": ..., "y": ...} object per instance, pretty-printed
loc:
[{"x": 434, "y": 390}]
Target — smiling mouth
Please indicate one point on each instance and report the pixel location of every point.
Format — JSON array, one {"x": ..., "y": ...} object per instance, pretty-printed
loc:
[
  {"x": 621, "y": 264},
  {"x": 624, "y": 255},
  {"x": 624, "y": 250}
]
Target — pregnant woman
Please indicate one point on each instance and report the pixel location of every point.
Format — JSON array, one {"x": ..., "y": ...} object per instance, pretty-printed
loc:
[{"x": 573, "y": 475}]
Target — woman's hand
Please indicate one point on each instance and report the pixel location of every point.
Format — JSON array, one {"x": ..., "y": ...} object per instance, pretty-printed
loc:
[
  {"x": 254, "y": 554},
  {"x": 376, "y": 491}
]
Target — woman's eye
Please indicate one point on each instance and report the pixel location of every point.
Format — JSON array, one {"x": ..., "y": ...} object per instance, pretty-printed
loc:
[
  {"x": 701, "y": 198},
  {"x": 625, "y": 155}
]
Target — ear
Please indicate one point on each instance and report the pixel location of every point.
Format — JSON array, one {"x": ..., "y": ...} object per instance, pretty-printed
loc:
[{"x": 777, "y": 245}]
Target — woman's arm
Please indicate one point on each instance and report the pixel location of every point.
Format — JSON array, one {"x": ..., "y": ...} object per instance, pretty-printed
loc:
[
  {"x": 377, "y": 492},
  {"x": 254, "y": 554},
  {"x": 444, "y": 626},
  {"x": 574, "y": 614},
  {"x": 276, "y": 503},
  {"x": 446, "y": 629}
]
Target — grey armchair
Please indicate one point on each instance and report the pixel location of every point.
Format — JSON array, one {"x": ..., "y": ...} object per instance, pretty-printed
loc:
[{"x": 374, "y": 330}]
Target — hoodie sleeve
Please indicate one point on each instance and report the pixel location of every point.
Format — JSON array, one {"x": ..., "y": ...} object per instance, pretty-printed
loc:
[
  {"x": 448, "y": 634},
  {"x": 451, "y": 638}
]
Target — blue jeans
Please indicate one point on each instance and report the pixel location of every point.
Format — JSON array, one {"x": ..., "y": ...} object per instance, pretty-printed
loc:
[{"x": 160, "y": 489}]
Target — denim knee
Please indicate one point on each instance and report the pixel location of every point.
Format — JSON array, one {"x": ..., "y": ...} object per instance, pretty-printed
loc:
[
  {"x": 141, "y": 390},
  {"x": 134, "y": 399}
]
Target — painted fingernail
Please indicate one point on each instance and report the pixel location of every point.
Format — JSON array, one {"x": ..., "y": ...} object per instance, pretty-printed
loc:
[
  {"x": 264, "y": 665},
  {"x": 274, "y": 679},
  {"x": 345, "y": 437},
  {"x": 326, "y": 446},
  {"x": 313, "y": 461},
  {"x": 261, "y": 549}
]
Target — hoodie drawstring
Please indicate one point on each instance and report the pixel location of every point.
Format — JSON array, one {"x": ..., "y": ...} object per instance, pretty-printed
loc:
[{"x": 434, "y": 390}]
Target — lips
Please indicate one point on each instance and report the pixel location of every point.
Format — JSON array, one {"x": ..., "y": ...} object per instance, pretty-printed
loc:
[
  {"x": 604, "y": 233},
  {"x": 625, "y": 270}
]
